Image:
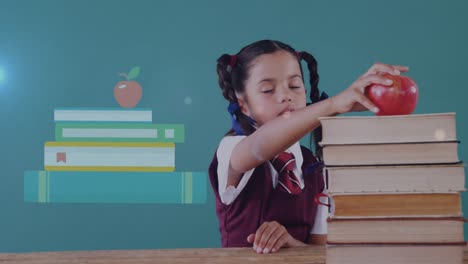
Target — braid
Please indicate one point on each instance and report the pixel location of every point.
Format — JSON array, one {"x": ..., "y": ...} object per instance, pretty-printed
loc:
[
  {"x": 314, "y": 97},
  {"x": 224, "y": 78},
  {"x": 228, "y": 88},
  {"x": 313, "y": 75}
]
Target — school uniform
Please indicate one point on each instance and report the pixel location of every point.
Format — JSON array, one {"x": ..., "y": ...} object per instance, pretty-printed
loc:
[{"x": 242, "y": 209}]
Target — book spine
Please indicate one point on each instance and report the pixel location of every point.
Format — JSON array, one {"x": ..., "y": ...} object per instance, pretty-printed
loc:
[
  {"x": 397, "y": 179},
  {"x": 101, "y": 109},
  {"x": 103, "y": 115},
  {"x": 395, "y": 205},
  {"x": 111, "y": 168},
  {"x": 115, "y": 187},
  {"x": 110, "y": 144},
  {"x": 109, "y": 156},
  {"x": 116, "y": 132}
]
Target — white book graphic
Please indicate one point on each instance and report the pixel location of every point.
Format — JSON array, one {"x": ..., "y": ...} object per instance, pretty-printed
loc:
[
  {"x": 111, "y": 133},
  {"x": 103, "y": 115},
  {"x": 109, "y": 156}
]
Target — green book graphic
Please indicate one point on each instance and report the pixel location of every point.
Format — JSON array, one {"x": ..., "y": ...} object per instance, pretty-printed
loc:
[
  {"x": 118, "y": 132},
  {"x": 115, "y": 187}
]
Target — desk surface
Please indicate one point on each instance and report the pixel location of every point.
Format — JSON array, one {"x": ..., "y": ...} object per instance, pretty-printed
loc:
[{"x": 309, "y": 254}]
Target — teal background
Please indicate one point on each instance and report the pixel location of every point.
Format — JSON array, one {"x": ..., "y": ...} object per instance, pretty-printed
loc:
[{"x": 58, "y": 53}]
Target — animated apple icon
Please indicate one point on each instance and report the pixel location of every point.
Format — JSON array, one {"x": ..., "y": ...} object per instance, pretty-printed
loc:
[{"x": 128, "y": 93}]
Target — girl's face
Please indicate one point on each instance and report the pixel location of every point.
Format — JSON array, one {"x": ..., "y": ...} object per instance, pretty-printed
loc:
[{"x": 274, "y": 87}]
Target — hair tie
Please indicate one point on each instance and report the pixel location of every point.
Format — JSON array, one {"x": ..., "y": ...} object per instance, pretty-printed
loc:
[
  {"x": 233, "y": 61},
  {"x": 323, "y": 96},
  {"x": 233, "y": 109},
  {"x": 298, "y": 54}
]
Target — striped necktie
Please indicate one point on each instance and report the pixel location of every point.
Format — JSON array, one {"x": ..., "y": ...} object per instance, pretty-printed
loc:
[{"x": 284, "y": 164}]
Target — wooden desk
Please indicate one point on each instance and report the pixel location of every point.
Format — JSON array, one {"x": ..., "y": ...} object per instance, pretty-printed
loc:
[{"x": 310, "y": 254}]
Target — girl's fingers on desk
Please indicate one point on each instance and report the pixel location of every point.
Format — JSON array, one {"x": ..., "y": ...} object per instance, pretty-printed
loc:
[
  {"x": 258, "y": 235},
  {"x": 280, "y": 242},
  {"x": 267, "y": 237},
  {"x": 277, "y": 239},
  {"x": 267, "y": 234}
]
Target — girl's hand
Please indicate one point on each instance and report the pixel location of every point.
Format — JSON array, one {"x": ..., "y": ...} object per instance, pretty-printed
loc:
[
  {"x": 270, "y": 237},
  {"x": 353, "y": 98}
]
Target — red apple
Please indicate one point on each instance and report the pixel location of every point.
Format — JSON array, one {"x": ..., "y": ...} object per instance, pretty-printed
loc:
[
  {"x": 399, "y": 98},
  {"x": 128, "y": 93}
]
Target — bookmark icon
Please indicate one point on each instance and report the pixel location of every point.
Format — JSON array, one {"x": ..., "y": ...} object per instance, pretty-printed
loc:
[{"x": 61, "y": 157}]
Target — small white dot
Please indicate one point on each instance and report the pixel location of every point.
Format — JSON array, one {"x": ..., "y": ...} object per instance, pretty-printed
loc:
[
  {"x": 440, "y": 134},
  {"x": 188, "y": 100},
  {"x": 413, "y": 89},
  {"x": 379, "y": 93}
]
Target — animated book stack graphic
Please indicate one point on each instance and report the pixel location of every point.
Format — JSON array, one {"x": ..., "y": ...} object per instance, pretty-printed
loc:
[
  {"x": 395, "y": 186},
  {"x": 112, "y": 156}
]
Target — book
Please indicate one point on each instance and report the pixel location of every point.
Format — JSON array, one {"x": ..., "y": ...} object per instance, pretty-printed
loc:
[
  {"x": 391, "y": 154},
  {"x": 397, "y": 205},
  {"x": 109, "y": 156},
  {"x": 103, "y": 115},
  {"x": 395, "y": 230},
  {"x": 392, "y": 254},
  {"x": 390, "y": 129},
  {"x": 399, "y": 178},
  {"x": 115, "y": 187},
  {"x": 119, "y": 132}
]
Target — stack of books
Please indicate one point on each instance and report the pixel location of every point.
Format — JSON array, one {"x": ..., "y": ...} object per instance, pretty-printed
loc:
[
  {"x": 395, "y": 186},
  {"x": 113, "y": 156}
]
